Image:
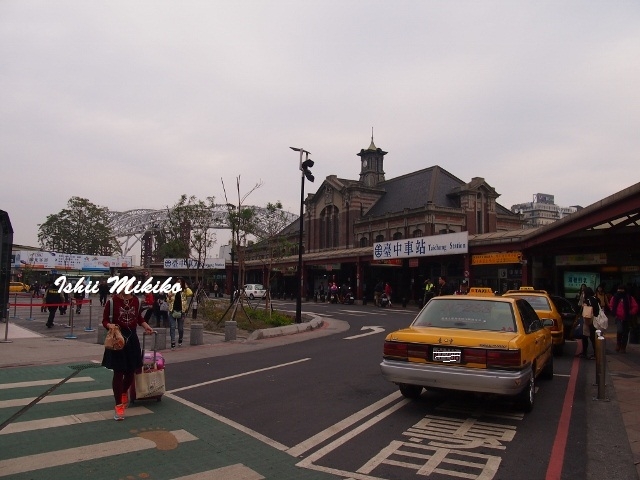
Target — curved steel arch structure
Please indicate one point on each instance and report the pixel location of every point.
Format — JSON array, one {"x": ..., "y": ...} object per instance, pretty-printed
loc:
[{"x": 131, "y": 226}]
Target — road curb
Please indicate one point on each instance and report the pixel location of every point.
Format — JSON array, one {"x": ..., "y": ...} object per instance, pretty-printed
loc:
[{"x": 313, "y": 324}]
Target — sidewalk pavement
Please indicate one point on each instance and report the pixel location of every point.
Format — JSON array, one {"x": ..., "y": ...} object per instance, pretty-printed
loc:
[{"x": 29, "y": 347}]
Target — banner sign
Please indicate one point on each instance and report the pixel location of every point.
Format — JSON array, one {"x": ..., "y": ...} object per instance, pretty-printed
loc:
[
  {"x": 181, "y": 263},
  {"x": 69, "y": 261},
  {"x": 496, "y": 258},
  {"x": 447, "y": 244},
  {"x": 584, "y": 259},
  {"x": 397, "y": 262},
  {"x": 573, "y": 281}
]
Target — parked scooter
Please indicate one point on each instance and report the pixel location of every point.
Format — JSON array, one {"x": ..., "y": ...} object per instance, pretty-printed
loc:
[
  {"x": 384, "y": 300},
  {"x": 349, "y": 298}
]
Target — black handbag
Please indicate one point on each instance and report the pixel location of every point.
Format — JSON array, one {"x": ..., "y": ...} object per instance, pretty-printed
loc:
[{"x": 577, "y": 329}]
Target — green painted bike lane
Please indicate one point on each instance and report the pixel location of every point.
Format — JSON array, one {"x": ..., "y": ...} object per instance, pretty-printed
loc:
[{"x": 70, "y": 434}]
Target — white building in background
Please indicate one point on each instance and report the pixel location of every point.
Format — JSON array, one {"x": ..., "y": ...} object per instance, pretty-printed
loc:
[{"x": 542, "y": 210}]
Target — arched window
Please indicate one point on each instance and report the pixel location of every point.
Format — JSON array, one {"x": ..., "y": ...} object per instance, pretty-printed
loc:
[
  {"x": 329, "y": 227},
  {"x": 417, "y": 233},
  {"x": 364, "y": 242},
  {"x": 379, "y": 238},
  {"x": 397, "y": 236}
]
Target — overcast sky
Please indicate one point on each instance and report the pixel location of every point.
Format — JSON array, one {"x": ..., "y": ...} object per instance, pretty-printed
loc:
[{"x": 132, "y": 103}]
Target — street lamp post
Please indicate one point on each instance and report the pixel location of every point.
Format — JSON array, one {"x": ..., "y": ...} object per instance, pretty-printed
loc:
[{"x": 304, "y": 168}]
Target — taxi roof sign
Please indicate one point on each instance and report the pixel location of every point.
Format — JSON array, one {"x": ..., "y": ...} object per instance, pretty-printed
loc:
[{"x": 481, "y": 291}]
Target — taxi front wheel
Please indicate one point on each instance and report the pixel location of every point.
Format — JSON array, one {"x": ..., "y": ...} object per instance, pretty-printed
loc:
[{"x": 547, "y": 371}]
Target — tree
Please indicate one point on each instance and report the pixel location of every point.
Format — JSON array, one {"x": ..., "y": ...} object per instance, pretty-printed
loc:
[
  {"x": 81, "y": 228},
  {"x": 241, "y": 219},
  {"x": 268, "y": 227},
  {"x": 187, "y": 232}
]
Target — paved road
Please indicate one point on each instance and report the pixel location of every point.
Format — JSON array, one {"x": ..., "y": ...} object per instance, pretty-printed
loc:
[{"x": 292, "y": 411}]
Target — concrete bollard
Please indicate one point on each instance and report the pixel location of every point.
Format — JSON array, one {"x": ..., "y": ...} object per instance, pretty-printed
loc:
[
  {"x": 161, "y": 338},
  {"x": 230, "y": 330},
  {"x": 601, "y": 367},
  {"x": 195, "y": 337}
]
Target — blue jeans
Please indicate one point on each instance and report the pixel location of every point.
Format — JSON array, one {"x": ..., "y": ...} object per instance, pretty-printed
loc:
[{"x": 172, "y": 329}]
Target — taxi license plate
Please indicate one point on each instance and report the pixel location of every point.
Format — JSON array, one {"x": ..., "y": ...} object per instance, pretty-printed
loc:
[{"x": 446, "y": 355}]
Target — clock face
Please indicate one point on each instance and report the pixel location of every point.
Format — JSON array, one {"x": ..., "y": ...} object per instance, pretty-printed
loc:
[{"x": 364, "y": 164}]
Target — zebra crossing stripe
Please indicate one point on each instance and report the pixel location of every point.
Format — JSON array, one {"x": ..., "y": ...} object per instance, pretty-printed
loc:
[
  {"x": 29, "y": 463},
  {"x": 231, "y": 472},
  {"x": 39, "y": 383},
  {"x": 65, "y": 397},
  {"x": 28, "y": 426}
]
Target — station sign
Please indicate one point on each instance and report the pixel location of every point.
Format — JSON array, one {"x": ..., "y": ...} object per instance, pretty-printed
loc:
[
  {"x": 184, "y": 263},
  {"x": 435, "y": 245}
]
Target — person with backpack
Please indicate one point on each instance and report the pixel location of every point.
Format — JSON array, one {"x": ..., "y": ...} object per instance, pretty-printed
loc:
[
  {"x": 623, "y": 306},
  {"x": 52, "y": 299}
]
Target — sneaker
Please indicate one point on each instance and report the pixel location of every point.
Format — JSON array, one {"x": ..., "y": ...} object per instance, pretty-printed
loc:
[
  {"x": 173, "y": 346},
  {"x": 179, "y": 344},
  {"x": 119, "y": 412}
]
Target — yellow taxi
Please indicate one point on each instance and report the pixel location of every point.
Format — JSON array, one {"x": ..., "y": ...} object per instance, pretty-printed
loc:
[
  {"x": 484, "y": 344},
  {"x": 17, "y": 287},
  {"x": 546, "y": 309}
]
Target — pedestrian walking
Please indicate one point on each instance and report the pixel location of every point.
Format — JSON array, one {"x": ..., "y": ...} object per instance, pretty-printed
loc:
[
  {"x": 443, "y": 287},
  {"x": 588, "y": 330},
  {"x": 103, "y": 292},
  {"x": 624, "y": 307},
  {"x": 177, "y": 311},
  {"x": 377, "y": 293},
  {"x": 429, "y": 291},
  {"x": 52, "y": 299},
  {"x": 126, "y": 315}
]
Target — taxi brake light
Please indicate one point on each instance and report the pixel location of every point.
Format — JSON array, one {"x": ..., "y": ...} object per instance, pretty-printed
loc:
[
  {"x": 396, "y": 350},
  {"x": 503, "y": 358},
  {"x": 474, "y": 355}
]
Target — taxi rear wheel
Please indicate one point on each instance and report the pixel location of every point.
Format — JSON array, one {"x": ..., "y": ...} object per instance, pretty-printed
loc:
[
  {"x": 525, "y": 398},
  {"x": 410, "y": 391},
  {"x": 547, "y": 371}
]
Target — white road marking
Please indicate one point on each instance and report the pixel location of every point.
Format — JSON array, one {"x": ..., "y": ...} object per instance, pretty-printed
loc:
[
  {"x": 308, "y": 462},
  {"x": 68, "y": 456},
  {"x": 231, "y": 423},
  {"x": 65, "y": 397},
  {"x": 232, "y": 472},
  {"x": 65, "y": 420},
  {"x": 374, "y": 330},
  {"x": 266, "y": 369},
  {"x": 39, "y": 383},
  {"x": 320, "y": 437}
]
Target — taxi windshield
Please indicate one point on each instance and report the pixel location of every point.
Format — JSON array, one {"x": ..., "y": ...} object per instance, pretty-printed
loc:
[
  {"x": 467, "y": 314},
  {"x": 538, "y": 302}
]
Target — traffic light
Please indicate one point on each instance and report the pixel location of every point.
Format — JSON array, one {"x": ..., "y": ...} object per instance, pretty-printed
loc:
[{"x": 305, "y": 166}]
